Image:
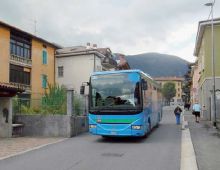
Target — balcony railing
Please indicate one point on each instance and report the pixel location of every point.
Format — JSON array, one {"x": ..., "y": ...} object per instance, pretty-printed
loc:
[{"x": 21, "y": 60}]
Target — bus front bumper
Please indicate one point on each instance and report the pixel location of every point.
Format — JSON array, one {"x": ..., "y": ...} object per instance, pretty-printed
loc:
[{"x": 115, "y": 130}]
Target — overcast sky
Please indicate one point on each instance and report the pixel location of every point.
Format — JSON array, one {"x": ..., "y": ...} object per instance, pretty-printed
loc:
[{"x": 126, "y": 26}]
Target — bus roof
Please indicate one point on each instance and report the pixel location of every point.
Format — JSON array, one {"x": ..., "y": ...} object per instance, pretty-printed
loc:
[
  {"x": 127, "y": 71},
  {"x": 121, "y": 71}
]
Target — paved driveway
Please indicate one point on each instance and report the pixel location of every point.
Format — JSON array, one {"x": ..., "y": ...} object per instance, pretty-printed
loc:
[{"x": 12, "y": 146}]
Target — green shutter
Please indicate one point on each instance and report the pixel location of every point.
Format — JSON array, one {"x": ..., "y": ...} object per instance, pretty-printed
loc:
[
  {"x": 44, "y": 57},
  {"x": 44, "y": 81}
]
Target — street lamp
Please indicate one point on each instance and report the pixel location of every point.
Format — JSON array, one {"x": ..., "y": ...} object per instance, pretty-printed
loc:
[{"x": 211, "y": 4}]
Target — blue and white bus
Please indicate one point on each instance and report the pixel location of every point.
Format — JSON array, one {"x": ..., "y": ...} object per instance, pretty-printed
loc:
[{"x": 123, "y": 103}]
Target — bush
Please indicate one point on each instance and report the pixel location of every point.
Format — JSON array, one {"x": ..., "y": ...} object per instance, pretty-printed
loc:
[{"x": 53, "y": 102}]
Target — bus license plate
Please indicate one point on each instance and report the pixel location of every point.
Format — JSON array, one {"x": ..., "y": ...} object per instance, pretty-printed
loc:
[{"x": 113, "y": 133}]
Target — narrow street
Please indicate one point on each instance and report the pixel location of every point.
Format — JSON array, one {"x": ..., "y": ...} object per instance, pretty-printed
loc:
[
  {"x": 70, "y": 70},
  {"x": 160, "y": 150}
]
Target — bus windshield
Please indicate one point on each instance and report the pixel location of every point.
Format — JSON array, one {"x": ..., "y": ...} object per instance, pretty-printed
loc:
[{"x": 115, "y": 92}]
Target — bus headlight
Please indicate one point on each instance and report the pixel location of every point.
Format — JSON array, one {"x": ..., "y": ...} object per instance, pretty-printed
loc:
[
  {"x": 136, "y": 127},
  {"x": 92, "y": 126}
]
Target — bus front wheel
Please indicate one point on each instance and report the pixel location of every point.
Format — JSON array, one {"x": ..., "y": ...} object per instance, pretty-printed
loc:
[
  {"x": 149, "y": 126},
  {"x": 148, "y": 130}
]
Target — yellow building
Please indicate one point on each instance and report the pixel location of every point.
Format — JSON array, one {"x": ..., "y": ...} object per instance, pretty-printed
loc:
[
  {"x": 178, "y": 81},
  {"x": 203, "y": 52},
  {"x": 26, "y": 61}
]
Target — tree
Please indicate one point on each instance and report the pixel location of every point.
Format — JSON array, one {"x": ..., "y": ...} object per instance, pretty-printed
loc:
[
  {"x": 187, "y": 84},
  {"x": 169, "y": 91}
]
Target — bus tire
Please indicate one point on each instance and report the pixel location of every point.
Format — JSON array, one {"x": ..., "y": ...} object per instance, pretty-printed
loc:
[
  {"x": 105, "y": 137},
  {"x": 148, "y": 130},
  {"x": 145, "y": 135},
  {"x": 157, "y": 125},
  {"x": 149, "y": 126}
]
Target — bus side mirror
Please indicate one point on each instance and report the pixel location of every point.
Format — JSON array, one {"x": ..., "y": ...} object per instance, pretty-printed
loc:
[
  {"x": 82, "y": 90},
  {"x": 144, "y": 84}
]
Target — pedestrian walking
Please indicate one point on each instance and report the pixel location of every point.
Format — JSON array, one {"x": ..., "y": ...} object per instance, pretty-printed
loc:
[
  {"x": 196, "y": 111},
  {"x": 186, "y": 106},
  {"x": 177, "y": 113}
]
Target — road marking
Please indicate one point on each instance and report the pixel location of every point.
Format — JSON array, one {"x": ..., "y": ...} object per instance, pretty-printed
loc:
[
  {"x": 32, "y": 149},
  {"x": 188, "y": 157}
]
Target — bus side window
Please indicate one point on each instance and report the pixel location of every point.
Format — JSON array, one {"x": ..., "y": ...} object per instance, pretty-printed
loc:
[
  {"x": 147, "y": 95},
  {"x": 137, "y": 93}
]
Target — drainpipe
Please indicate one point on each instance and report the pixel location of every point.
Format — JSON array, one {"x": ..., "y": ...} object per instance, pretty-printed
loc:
[{"x": 94, "y": 66}]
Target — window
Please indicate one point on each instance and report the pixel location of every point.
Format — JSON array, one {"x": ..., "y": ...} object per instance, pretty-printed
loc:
[
  {"x": 44, "y": 81},
  {"x": 20, "y": 45},
  {"x": 19, "y": 74},
  {"x": 44, "y": 57},
  {"x": 60, "y": 71}
]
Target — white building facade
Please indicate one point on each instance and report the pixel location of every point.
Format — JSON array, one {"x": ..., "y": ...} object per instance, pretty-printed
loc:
[{"x": 74, "y": 65}]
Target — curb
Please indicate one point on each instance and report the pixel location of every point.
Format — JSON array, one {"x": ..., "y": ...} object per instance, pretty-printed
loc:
[
  {"x": 32, "y": 149},
  {"x": 188, "y": 157}
]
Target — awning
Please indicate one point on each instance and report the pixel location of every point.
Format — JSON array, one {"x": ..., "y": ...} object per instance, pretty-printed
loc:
[{"x": 8, "y": 90}]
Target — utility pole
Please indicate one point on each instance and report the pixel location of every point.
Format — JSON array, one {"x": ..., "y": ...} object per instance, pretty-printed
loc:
[{"x": 211, "y": 4}]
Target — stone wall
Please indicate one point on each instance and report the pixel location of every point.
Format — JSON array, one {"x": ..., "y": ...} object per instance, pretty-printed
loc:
[
  {"x": 5, "y": 118},
  {"x": 52, "y": 125}
]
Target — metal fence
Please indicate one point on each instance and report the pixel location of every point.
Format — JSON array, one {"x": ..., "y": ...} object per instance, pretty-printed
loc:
[
  {"x": 55, "y": 105},
  {"x": 38, "y": 106},
  {"x": 80, "y": 106}
]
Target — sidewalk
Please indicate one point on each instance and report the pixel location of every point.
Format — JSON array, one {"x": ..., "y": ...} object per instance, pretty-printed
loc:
[
  {"x": 13, "y": 146},
  {"x": 206, "y": 142}
]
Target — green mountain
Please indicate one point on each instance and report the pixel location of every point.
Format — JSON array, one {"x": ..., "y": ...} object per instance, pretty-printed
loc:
[{"x": 158, "y": 65}]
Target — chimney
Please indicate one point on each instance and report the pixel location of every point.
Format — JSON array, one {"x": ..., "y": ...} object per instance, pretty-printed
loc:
[
  {"x": 94, "y": 46},
  {"x": 88, "y": 45}
]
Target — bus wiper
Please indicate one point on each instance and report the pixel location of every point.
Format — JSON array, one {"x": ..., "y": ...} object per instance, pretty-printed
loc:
[{"x": 98, "y": 111}]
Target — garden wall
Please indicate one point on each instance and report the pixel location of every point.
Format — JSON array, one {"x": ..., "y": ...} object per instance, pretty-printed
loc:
[
  {"x": 5, "y": 118},
  {"x": 52, "y": 125}
]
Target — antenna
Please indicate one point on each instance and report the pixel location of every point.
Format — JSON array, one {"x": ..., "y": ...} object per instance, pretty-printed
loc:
[
  {"x": 34, "y": 21},
  {"x": 35, "y": 26}
]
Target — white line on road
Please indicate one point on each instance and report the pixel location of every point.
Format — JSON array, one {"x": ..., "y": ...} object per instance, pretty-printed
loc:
[{"x": 188, "y": 158}]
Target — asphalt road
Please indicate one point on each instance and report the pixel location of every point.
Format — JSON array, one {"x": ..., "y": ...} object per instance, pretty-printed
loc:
[{"x": 159, "y": 151}]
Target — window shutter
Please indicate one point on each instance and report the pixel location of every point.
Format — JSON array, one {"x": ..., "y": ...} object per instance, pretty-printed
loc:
[
  {"x": 44, "y": 81},
  {"x": 44, "y": 57}
]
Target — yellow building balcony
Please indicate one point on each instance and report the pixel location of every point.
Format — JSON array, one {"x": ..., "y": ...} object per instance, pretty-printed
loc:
[{"x": 21, "y": 60}]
